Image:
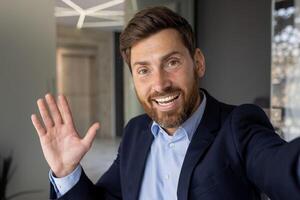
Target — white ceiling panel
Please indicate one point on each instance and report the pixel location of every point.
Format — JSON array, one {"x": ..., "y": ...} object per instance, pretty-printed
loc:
[{"x": 90, "y": 13}]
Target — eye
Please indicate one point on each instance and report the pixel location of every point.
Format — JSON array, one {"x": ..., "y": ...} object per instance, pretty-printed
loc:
[
  {"x": 173, "y": 63},
  {"x": 142, "y": 71}
]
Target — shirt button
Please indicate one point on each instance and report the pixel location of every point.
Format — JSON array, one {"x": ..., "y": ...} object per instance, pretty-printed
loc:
[
  {"x": 171, "y": 145},
  {"x": 167, "y": 177}
]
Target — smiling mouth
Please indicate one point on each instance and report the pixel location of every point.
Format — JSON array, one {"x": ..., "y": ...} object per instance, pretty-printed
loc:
[{"x": 166, "y": 100}]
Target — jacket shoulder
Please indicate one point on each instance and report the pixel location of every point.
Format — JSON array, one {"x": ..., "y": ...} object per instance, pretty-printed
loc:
[
  {"x": 140, "y": 121},
  {"x": 249, "y": 112},
  {"x": 137, "y": 124}
]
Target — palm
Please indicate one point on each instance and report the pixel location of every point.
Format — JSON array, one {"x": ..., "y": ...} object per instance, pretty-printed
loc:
[{"x": 61, "y": 144}]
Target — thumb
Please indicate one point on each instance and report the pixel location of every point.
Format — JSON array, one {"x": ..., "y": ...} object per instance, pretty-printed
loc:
[{"x": 91, "y": 134}]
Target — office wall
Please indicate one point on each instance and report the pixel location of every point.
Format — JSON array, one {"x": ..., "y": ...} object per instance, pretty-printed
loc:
[
  {"x": 96, "y": 101},
  {"x": 235, "y": 37},
  {"x": 27, "y": 71}
]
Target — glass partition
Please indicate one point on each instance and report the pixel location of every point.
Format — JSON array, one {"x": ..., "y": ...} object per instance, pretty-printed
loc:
[{"x": 285, "y": 93}]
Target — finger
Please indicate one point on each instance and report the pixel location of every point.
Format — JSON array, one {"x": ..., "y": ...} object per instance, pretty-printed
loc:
[
  {"x": 60, "y": 110},
  {"x": 37, "y": 125},
  {"x": 53, "y": 109},
  {"x": 91, "y": 134},
  {"x": 44, "y": 113},
  {"x": 67, "y": 115}
]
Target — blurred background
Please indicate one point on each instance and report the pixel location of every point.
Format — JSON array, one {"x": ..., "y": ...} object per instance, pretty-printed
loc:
[{"x": 70, "y": 47}]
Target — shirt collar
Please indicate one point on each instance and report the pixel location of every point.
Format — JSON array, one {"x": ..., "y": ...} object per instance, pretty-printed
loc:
[{"x": 190, "y": 125}]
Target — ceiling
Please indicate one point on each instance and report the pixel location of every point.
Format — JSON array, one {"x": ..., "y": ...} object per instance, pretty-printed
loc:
[{"x": 100, "y": 14}]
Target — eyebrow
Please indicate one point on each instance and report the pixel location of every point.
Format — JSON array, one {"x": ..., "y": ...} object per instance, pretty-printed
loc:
[{"x": 163, "y": 58}]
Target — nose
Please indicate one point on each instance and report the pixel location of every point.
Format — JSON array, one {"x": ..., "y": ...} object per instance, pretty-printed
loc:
[{"x": 161, "y": 81}]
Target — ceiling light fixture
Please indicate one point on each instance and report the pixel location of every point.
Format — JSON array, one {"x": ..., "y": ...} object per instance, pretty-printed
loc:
[{"x": 115, "y": 18}]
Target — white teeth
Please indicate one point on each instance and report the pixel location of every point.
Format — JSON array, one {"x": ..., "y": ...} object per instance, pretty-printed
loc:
[{"x": 166, "y": 99}]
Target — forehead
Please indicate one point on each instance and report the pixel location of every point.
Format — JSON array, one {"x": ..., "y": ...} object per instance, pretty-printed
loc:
[{"x": 158, "y": 45}]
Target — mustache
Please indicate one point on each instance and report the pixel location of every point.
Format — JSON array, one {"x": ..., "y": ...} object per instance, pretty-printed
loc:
[{"x": 165, "y": 92}]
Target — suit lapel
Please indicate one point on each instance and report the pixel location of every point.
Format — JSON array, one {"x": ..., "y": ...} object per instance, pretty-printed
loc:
[
  {"x": 143, "y": 144},
  {"x": 201, "y": 140}
]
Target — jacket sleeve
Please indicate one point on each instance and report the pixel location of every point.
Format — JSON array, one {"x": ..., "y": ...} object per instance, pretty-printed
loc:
[
  {"x": 271, "y": 163},
  {"x": 107, "y": 188}
]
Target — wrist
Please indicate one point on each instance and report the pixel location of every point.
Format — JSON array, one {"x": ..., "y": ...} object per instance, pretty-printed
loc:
[{"x": 63, "y": 172}]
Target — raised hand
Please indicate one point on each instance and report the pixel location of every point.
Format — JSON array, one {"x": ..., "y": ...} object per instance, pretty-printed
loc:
[{"x": 61, "y": 144}]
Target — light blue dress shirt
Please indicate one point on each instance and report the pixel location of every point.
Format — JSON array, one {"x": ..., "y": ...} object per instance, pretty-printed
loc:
[
  {"x": 163, "y": 164},
  {"x": 64, "y": 184},
  {"x": 166, "y": 157}
]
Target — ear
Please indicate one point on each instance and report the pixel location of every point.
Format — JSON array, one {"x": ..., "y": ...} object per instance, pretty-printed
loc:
[{"x": 199, "y": 62}]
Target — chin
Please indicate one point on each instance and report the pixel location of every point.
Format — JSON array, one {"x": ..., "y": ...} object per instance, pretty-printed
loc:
[{"x": 170, "y": 119}]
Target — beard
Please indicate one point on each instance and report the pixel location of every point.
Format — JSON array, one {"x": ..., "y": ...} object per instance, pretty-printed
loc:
[{"x": 173, "y": 118}]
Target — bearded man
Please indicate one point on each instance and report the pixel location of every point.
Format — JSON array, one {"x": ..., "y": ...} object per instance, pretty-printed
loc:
[{"x": 188, "y": 145}]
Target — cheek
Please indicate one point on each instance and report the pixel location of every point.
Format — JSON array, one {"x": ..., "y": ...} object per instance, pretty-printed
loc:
[
  {"x": 141, "y": 89},
  {"x": 185, "y": 80}
]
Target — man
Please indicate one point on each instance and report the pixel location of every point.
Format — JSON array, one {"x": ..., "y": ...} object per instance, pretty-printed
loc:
[{"x": 187, "y": 145}]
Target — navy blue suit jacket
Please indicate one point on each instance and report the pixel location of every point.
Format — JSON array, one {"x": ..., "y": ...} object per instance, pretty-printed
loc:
[{"x": 234, "y": 155}]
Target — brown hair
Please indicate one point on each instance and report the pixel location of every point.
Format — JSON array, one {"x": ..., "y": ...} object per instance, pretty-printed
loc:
[{"x": 150, "y": 21}]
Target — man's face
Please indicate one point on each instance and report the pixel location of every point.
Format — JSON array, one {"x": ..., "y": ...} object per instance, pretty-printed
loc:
[{"x": 166, "y": 78}]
